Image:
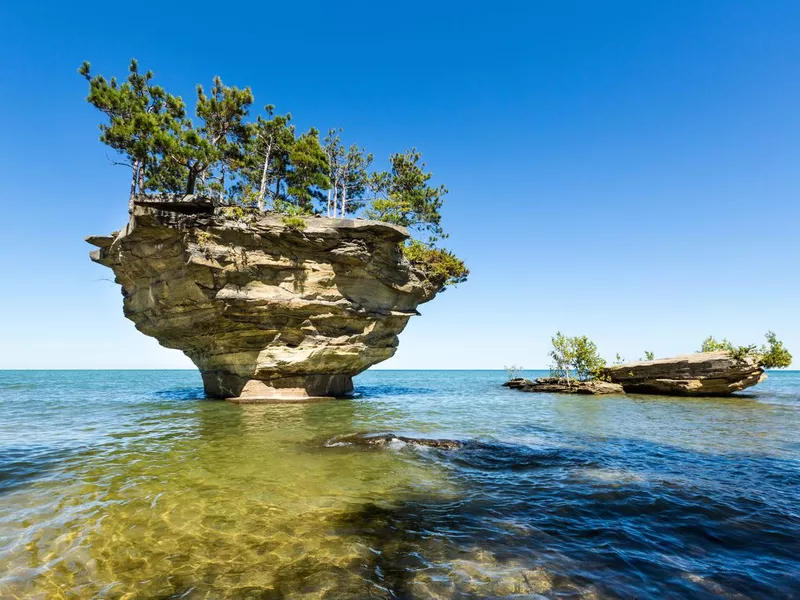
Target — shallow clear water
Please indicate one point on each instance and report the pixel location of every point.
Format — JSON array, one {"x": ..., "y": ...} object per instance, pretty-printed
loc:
[{"x": 127, "y": 485}]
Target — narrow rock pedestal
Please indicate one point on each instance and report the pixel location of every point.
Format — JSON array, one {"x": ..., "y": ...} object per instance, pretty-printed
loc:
[{"x": 307, "y": 388}]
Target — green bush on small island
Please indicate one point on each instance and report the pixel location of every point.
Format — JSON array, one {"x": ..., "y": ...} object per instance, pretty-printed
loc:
[
  {"x": 264, "y": 164},
  {"x": 772, "y": 355},
  {"x": 576, "y": 356}
]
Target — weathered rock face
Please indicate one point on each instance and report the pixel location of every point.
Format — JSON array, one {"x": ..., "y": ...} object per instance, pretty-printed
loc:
[
  {"x": 699, "y": 374},
  {"x": 265, "y": 311},
  {"x": 554, "y": 385}
]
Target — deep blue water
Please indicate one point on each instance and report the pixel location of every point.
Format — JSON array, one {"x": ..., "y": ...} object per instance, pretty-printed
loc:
[{"x": 128, "y": 482}]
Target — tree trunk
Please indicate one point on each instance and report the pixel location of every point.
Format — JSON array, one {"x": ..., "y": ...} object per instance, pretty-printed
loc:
[
  {"x": 190, "y": 183},
  {"x": 141, "y": 177},
  {"x": 222, "y": 185},
  {"x": 133, "y": 185},
  {"x": 329, "y": 202},
  {"x": 262, "y": 190},
  {"x": 344, "y": 201},
  {"x": 335, "y": 195}
]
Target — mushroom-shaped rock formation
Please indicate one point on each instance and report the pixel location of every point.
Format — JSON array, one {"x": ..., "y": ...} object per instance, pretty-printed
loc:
[
  {"x": 699, "y": 374},
  {"x": 266, "y": 311}
]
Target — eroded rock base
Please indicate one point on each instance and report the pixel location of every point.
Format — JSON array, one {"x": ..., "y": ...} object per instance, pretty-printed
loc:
[{"x": 300, "y": 388}]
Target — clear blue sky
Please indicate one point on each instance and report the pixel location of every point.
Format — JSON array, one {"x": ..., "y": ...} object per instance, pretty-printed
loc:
[{"x": 627, "y": 170}]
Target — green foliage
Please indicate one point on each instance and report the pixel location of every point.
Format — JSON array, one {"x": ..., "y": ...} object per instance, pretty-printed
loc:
[
  {"x": 404, "y": 197},
  {"x": 513, "y": 371},
  {"x": 563, "y": 355},
  {"x": 294, "y": 222},
  {"x": 203, "y": 238},
  {"x": 773, "y": 354},
  {"x": 742, "y": 352},
  {"x": 264, "y": 163},
  {"x": 711, "y": 344},
  {"x": 575, "y": 355},
  {"x": 649, "y": 355},
  {"x": 308, "y": 174},
  {"x": 139, "y": 114},
  {"x": 587, "y": 362},
  {"x": 348, "y": 175},
  {"x": 238, "y": 213},
  {"x": 266, "y": 160},
  {"x": 440, "y": 266}
]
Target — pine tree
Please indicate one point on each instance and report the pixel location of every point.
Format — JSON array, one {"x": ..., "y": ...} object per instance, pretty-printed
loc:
[
  {"x": 308, "y": 175},
  {"x": 404, "y": 197},
  {"x": 266, "y": 156},
  {"x": 354, "y": 181},
  {"x": 224, "y": 131},
  {"x": 191, "y": 159},
  {"x": 137, "y": 112}
]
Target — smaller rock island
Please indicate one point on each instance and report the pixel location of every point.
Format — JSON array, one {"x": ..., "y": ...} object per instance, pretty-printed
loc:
[
  {"x": 717, "y": 373},
  {"x": 555, "y": 385},
  {"x": 700, "y": 374},
  {"x": 266, "y": 310}
]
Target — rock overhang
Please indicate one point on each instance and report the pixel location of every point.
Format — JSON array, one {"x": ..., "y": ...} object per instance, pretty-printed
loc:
[{"x": 262, "y": 308}]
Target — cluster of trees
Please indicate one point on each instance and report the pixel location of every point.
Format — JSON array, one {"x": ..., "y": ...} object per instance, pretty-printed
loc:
[
  {"x": 771, "y": 355},
  {"x": 264, "y": 163}
]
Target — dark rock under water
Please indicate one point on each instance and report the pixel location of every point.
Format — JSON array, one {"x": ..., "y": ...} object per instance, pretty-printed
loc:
[{"x": 379, "y": 440}]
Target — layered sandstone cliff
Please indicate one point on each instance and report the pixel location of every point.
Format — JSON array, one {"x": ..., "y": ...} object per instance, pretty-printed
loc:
[
  {"x": 266, "y": 311},
  {"x": 699, "y": 374}
]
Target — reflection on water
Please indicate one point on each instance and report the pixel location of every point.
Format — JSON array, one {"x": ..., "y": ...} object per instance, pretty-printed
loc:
[{"x": 128, "y": 485}]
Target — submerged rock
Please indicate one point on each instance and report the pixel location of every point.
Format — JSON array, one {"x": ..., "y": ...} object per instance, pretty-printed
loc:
[
  {"x": 390, "y": 439},
  {"x": 265, "y": 311},
  {"x": 699, "y": 374},
  {"x": 555, "y": 385}
]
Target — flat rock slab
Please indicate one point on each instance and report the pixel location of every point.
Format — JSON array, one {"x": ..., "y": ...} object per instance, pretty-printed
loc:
[
  {"x": 698, "y": 374},
  {"x": 553, "y": 385}
]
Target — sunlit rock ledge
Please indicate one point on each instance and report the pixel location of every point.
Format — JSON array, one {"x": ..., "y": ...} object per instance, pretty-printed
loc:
[
  {"x": 699, "y": 374},
  {"x": 266, "y": 311}
]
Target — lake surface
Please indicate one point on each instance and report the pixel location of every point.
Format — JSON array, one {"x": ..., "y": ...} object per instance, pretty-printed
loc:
[{"x": 127, "y": 484}]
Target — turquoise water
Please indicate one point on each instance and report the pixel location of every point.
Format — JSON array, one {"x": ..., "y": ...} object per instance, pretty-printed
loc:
[{"x": 128, "y": 484}]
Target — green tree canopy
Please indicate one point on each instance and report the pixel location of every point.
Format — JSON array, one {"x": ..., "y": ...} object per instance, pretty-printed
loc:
[
  {"x": 772, "y": 355},
  {"x": 576, "y": 356},
  {"x": 403, "y": 196},
  {"x": 308, "y": 173},
  {"x": 138, "y": 113},
  {"x": 266, "y": 159},
  {"x": 233, "y": 160}
]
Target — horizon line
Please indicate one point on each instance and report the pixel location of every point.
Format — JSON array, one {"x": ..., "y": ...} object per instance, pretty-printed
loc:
[{"x": 4, "y": 370}]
